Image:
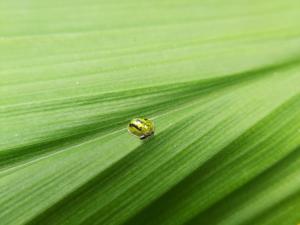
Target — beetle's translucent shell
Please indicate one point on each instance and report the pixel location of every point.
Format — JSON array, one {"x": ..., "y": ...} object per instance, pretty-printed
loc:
[{"x": 141, "y": 127}]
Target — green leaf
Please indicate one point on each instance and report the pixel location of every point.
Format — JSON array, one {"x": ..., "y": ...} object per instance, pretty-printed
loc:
[{"x": 219, "y": 79}]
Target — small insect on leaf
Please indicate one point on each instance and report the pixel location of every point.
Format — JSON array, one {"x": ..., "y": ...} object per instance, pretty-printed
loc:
[{"x": 141, "y": 127}]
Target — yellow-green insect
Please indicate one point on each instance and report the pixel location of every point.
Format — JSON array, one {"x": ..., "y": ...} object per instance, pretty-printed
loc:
[{"x": 141, "y": 127}]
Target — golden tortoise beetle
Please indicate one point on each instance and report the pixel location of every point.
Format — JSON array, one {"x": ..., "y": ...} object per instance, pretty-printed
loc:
[{"x": 141, "y": 127}]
